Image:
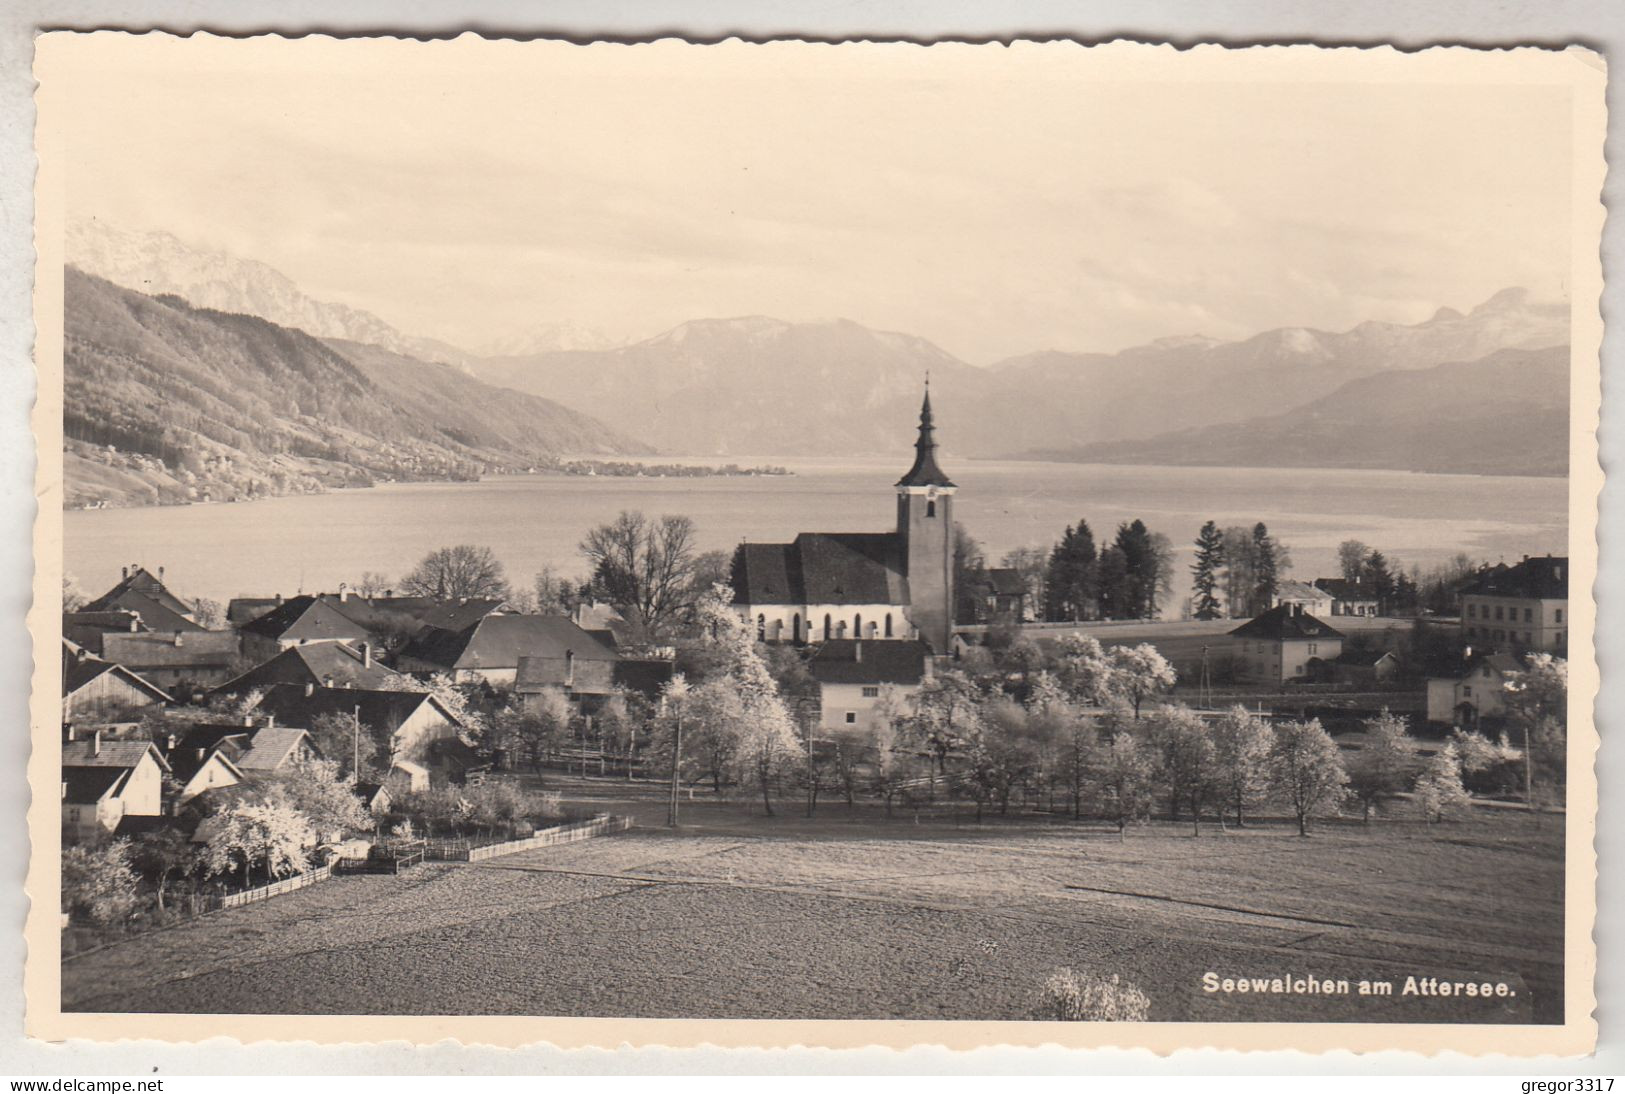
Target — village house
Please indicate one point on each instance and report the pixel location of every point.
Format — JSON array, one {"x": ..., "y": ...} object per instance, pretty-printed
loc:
[
  {"x": 1349, "y": 597},
  {"x": 855, "y": 675},
  {"x": 899, "y": 584},
  {"x": 1316, "y": 601},
  {"x": 1279, "y": 645},
  {"x": 141, "y": 593},
  {"x": 490, "y": 649},
  {"x": 299, "y": 621},
  {"x": 1365, "y": 668},
  {"x": 194, "y": 658},
  {"x": 104, "y": 781},
  {"x": 324, "y": 664},
  {"x": 94, "y": 690},
  {"x": 387, "y": 616},
  {"x": 587, "y": 684},
  {"x": 1474, "y": 696},
  {"x": 1517, "y": 608},
  {"x": 198, "y": 771},
  {"x": 412, "y": 720}
]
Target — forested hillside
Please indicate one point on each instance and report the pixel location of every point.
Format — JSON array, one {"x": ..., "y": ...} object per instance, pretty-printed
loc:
[{"x": 164, "y": 402}]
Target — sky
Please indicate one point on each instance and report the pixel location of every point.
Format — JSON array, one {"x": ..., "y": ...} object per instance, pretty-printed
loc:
[{"x": 992, "y": 200}]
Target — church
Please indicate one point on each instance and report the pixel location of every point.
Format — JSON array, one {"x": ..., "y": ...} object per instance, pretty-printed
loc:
[{"x": 827, "y": 586}]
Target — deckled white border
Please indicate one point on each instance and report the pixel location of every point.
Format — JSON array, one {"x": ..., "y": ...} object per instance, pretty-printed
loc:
[{"x": 10, "y": 454}]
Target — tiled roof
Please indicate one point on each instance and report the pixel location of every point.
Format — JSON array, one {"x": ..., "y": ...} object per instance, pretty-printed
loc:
[
  {"x": 1283, "y": 622},
  {"x": 269, "y": 747},
  {"x": 377, "y": 709},
  {"x": 1534, "y": 579},
  {"x": 186, "y": 763},
  {"x": 870, "y": 661},
  {"x": 148, "y": 588},
  {"x": 155, "y": 614},
  {"x": 306, "y": 617},
  {"x": 1298, "y": 590},
  {"x": 314, "y": 663},
  {"x": 196, "y": 649},
  {"x": 499, "y": 641},
  {"x": 1343, "y": 589},
  {"x": 125, "y": 754},
  {"x": 88, "y": 785},
  {"x": 1365, "y": 658},
  {"x": 245, "y": 609},
  {"x": 822, "y": 568}
]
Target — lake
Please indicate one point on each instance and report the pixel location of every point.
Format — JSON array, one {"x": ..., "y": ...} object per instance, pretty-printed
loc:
[{"x": 312, "y": 543}]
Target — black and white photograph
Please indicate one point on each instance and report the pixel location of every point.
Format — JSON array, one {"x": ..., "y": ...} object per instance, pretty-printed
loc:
[{"x": 1089, "y": 539}]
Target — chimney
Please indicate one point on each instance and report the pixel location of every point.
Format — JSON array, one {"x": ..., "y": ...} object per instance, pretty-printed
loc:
[
  {"x": 270, "y": 721},
  {"x": 69, "y": 730},
  {"x": 279, "y": 600},
  {"x": 169, "y": 745},
  {"x": 200, "y": 754},
  {"x": 96, "y": 743},
  {"x": 310, "y": 688},
  {"x": 160, "y": 575},
  {"x": 248, "y": 721},
  {"x": 344, "y": 591},
  {"x": 125, "y": 572},
  {"x": 135, "y": 622},
  {"x": 366, "y": 655},
  {"x": 81, "y": 655}
]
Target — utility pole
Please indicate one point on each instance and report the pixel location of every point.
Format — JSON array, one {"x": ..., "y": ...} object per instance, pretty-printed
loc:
[{"x": 355, "y": 733}]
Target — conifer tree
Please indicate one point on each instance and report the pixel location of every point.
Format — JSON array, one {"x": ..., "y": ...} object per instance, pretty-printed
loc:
[
  {"x": 1266, "y": 568},
  {"x": 1209, "y": 557}
]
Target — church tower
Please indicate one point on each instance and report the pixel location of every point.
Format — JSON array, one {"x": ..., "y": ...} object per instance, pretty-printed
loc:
[{"x": 925, "y": 524}]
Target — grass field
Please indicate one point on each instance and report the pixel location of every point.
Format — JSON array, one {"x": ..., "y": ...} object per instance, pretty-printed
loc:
[{"x": 858, "y": 917}]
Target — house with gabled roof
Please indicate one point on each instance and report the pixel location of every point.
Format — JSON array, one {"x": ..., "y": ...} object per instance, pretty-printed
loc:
[
  {"x": 872, "y": 585},
  {"x": 105, "y": 780},
  {"x": 1354, "y": 597},
  {"x": 171, "y": 658},
  {"x": 300, "y": 621},
  {"x": 490, "y": 650},
  {"x": 1518, "y": 608},
  {"x": 1474, "y": 694},
  {"x": 1312, "y": 599},
  {"x": 855, "y": 675},
  {"x": 201, "y": 770},
  {"x": 1280, "y": 644},
  {"x": 87, "y": 628},
  {"x": 142, "y": 593},
  {"x": 324, "y": 664},
  {"x": 94, "y": 690},
  {"x": 412, "y": 720}
]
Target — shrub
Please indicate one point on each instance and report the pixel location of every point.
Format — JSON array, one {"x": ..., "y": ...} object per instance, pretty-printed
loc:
[{"x": 1069, "y": 996}]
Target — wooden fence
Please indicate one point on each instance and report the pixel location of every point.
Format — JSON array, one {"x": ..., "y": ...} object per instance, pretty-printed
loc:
[
  {"x": 544, "y": 837},
  {"x": 276, "y": 888}
]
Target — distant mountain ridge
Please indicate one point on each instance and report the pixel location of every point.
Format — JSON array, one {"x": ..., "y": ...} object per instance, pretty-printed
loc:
[
  {"x": 762, "y": 386},
  {"x": 1505, "y": 414},
  {"x": 168, "y": 402},
  {"x": 156, "y": 263}
]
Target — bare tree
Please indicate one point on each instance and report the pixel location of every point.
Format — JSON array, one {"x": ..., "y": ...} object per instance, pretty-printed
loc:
[
  {"x": 646, "y": 568},
  {"x": 457, "y": 573}
]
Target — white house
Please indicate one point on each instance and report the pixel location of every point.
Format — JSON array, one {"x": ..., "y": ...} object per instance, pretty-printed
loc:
[
  {"x": 1279, "y": 645},
  {"x": 854, "y": 675},
  {"x": 1478, "y": 693},
  {"x": 105, "y": 781}
]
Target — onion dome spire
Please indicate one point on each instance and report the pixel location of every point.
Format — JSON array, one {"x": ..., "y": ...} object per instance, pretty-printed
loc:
[{"x": 925, "y": 471}]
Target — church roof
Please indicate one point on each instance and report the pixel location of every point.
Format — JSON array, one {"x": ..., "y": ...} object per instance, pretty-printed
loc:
[
  {"x": 925, "y": 471},
  {"x": 823, "y": 568}
]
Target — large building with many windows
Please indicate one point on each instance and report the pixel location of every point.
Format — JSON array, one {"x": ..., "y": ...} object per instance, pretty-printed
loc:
[
  {"x": 863, "y": 585},
  {"x": 1518, "y": 608}
]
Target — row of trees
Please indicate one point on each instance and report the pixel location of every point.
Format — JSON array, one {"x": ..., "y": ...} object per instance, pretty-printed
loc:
[
  {"x": 1237, "y": 571},
  {"x": 1130, "y": 578}
]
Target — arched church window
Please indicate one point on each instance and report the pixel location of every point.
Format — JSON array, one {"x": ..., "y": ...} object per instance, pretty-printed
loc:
[
  {"x": 826, "y": 626},
  {"x": 857, "y": 626},
  {"x": 888, "y": 624},
  {"x": 931, "y": 507},
  {"x": 795, "y": 628}
]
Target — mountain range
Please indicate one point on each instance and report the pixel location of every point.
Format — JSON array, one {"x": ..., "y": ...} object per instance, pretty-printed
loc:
[
  {"x": 167, "y": 402},
  {"x": 760, "y": 386}
]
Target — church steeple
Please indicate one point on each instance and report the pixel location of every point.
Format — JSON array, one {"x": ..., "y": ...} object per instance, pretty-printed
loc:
[{"x": 925, "y": 471}]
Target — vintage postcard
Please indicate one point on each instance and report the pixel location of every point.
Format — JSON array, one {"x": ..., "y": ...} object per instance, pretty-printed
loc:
[{"x": 774, "y": 544}]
